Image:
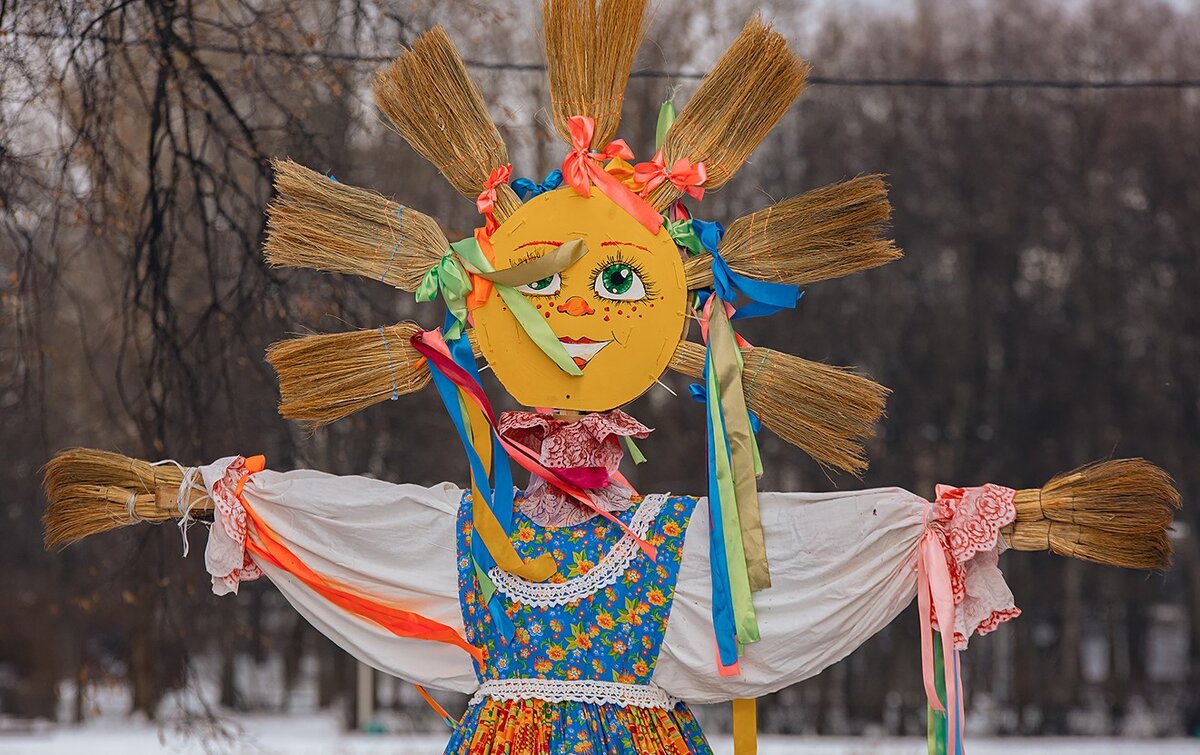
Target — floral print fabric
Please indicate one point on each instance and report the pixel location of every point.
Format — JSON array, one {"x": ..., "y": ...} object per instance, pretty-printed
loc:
[{"x": 613, "y": 635}]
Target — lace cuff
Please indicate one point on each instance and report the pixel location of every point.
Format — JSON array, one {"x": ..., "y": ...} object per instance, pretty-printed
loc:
[
  {"x": 970, "y": 520},
  {"x": 225, "y": 556}
]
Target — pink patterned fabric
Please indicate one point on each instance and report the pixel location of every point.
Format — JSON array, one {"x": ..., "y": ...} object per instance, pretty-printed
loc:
[
  {"x": 226, "y": 557},
  {"x": 590, "y": 441},
  {"x": 969, "y": 521}
]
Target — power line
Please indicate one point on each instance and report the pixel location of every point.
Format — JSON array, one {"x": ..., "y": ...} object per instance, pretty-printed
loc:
[{"x": 836, "y": 81}]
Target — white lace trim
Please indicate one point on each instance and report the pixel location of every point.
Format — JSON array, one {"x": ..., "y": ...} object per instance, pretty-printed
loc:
[
  {"x": 604, "y": 574},
  {"x": 582, "y": 691}
]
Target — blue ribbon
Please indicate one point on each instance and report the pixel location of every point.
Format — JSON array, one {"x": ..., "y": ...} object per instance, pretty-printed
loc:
[
  {"x": 526, "y": 189},
  {"x": 501, "y": 499},
  {"x": 765, "y": 297},
  {"x": 724, "y": 625}
]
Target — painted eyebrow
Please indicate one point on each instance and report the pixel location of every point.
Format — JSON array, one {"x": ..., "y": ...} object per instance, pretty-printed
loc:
[
  {"x": 539, "y": 243},
  {"x": 623, "y": 243}
]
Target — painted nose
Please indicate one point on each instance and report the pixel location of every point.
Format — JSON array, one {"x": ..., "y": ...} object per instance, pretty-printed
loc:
[{"x": 576, "y": 306}]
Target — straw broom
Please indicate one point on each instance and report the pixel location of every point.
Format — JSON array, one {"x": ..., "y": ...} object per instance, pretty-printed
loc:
[
  {"x": 1114, "y": 512},
  {"x": 738, "y": 103},
  {"x": 829, "y": 232},
  {"x": 319, "y": 223},
  {"x": 589, "y": 49},
  {"x": 432, "y": 102},
  {"x": 324, "y": 378},
  {"x": 824, "y": 411},
  {"x": 91, "y": 491}
]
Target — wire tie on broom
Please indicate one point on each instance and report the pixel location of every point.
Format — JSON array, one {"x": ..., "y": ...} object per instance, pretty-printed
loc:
[
  {"x": 391, "y": 362},
  {"x": 396, "y": 246}
]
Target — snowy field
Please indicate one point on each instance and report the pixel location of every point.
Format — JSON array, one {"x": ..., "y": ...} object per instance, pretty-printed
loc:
[{"x": 320, "y": 735}]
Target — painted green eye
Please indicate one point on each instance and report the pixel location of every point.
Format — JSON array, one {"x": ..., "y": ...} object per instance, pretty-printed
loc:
[
  {"x": 621, "y": 282},
  {"x": 544, "y": 287}
]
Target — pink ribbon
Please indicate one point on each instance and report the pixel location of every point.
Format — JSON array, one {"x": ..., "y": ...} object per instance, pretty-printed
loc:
[
  {"x": 432, "y": 346},
  {"x": 583, "y": 167},
  {"x": 935, "y": 601},
  {"x": 686, "y": 176},
  {"x": 486, "y": 201},
  {"x": 706, "y": 311}
]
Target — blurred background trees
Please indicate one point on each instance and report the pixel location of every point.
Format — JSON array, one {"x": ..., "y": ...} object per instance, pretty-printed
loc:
[{"x": 1047, "y": 312}]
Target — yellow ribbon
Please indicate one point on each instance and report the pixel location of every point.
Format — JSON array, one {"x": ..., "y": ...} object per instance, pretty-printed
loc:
[{"x": 484, "y": 519}]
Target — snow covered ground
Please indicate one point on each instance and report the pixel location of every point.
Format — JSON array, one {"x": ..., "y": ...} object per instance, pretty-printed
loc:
[{"x": 320, "y": 735}]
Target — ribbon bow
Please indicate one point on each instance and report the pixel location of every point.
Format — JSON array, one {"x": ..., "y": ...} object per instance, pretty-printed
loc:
[
  {"x": 686, "y": 176},
  {"x": 449, "y": 278},
  {"x": 486, "y": 201},
  {"x": 765, "y": 297},
  {"x": 526, "y": 189},
  {"x": 582, "y": 167}
]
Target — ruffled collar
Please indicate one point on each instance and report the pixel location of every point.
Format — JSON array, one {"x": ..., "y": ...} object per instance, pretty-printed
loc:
[{"x": 591, "y": 443}]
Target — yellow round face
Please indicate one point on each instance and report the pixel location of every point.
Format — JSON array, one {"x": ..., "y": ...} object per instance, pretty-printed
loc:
[{"x": 618, "y": 311}]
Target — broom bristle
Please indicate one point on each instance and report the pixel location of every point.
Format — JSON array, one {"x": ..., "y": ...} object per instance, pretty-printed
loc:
[
  {"x": 1120, "y": 496},
  {"x": 323, "y": 378},
  {"x": 90, "y": 492},
  {"x": 433, "y": 103},
  {"x": 590, "y": 46},
  {"x": 822, "y": 234},
  {"x": 825, "y": 411},
  {"x": 1129, "y": 550},
  {"x": 323, "y": 224},
  {"x": 738, "y": 103}
]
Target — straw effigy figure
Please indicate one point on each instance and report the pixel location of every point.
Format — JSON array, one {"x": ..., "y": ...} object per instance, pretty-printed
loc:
[{"x": 580, "y": 614}]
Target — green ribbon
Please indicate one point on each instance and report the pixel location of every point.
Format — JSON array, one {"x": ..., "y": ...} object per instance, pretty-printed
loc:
[
  {"x": 631, "y": 448},
  {"x": 449, "y": 278},
  {"x": 666, "y": 117},
  {"x": 936, "y": 723},
  {"x": 744, "y": 617},
  {"x": 534, "y": 325},
  {"x": 684, "y": 235}
]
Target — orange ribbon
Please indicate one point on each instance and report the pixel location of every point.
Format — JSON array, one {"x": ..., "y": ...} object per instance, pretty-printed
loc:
[
  {"x": 687, "y": 177},
  {"x": 582, "y": 167},
  {"x": 269, "y": 547},
  {"x": 486, "y": 201}
]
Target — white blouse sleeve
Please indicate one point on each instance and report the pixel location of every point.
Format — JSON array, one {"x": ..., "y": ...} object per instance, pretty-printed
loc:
[
  {"x": 392, "y": 542},
  {"x": 843, "y": 565}
]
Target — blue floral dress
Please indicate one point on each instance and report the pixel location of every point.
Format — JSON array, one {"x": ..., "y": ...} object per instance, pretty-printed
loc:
[{"x": 575, "y": 677}]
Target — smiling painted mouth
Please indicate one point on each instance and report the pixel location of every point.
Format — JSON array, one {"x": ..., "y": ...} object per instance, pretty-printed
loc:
[{"x": 581, "y": 350}]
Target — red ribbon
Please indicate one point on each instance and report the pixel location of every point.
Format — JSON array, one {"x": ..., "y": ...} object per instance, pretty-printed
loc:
[
  {"x": 434, "y": 349},
  {"x": 486, "y": 201},
  {"x": 686, "y": 176},
  {"x": 583, "y": 167},
  {"x": 935, "y": 601}
]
